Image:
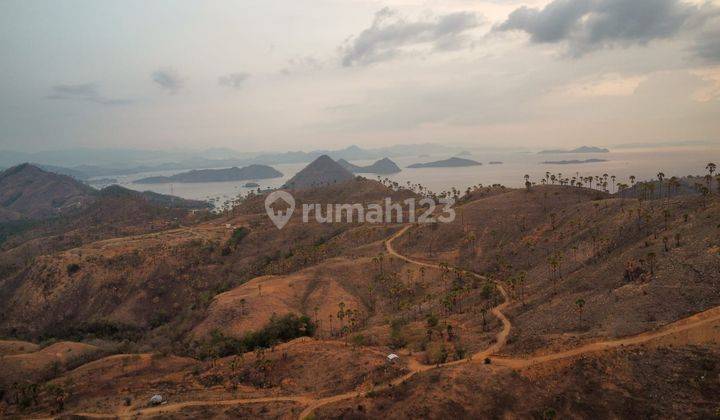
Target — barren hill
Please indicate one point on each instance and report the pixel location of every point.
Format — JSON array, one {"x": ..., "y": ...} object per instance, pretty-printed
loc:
[
  {"x": 546, "y": 301},
  {"x": 322, "y": 172},
  {"x": 29, "y": 192}
]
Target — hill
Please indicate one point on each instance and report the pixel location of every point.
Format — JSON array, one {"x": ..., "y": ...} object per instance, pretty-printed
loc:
[
  {"x": 542, "y": 302},
  {"x": 323, "y": 171},
  {"x": 216, "y": 175},
  {"x": 383, "y": 166},
  {"x": 112, "y": 212},
  {"x": 454, "y": 162},
  {"x": 29, "y": 192},
  {"x": 168, "y": 201},
  {"x": 349, "y": 166}
]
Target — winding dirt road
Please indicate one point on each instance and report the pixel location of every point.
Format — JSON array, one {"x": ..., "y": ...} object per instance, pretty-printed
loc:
[{"x": 415, "y": 367}]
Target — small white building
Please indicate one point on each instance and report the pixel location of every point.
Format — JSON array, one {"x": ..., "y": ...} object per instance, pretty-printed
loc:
[{"x": 392, "y": 358}]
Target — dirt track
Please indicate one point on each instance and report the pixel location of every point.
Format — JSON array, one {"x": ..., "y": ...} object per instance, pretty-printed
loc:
[{"x": 415, "y": 367}]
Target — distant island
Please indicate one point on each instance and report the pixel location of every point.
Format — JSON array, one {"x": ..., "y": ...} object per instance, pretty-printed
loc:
[
  {"x": 454, "y": 162},
  {"x": 251, "y": 185},
  {"x": 583, "y": 149},
  {"x": 573, "y": 162},
  {"x": 382, "y": 167},
  {"x": 495, "y": 163},
  {"x": 215, "y": 175}
]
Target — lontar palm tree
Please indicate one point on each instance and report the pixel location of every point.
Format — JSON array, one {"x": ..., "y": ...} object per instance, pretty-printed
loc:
[
  {"x": 711, "y": 167},
  {"x": 661, "y": 177}
]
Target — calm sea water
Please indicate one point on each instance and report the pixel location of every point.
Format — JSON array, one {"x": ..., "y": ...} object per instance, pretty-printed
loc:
[{"x": 644, "y": 164}]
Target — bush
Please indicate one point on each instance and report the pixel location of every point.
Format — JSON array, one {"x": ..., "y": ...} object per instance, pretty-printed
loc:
[
  {"x": 437, "y": 353},
  {"x": 237, "y": 236},
  {"x": 397, "y": 338},
  {"x": 278, "y": 330},
  {"x": 72, "y": 269}
]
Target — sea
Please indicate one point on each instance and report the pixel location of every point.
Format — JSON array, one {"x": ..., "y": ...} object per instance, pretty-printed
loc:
[{"x": 644, "y": 164}]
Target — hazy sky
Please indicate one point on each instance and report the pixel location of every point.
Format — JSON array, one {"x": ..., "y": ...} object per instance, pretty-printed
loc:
[{"x": 305, "y": 74}]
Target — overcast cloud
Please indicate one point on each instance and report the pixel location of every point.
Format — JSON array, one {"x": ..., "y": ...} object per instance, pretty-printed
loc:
[{"x": 318, "y": 74}]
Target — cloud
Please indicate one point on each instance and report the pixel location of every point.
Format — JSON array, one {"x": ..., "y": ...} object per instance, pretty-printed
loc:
[
  {"x": 603, "y": 86},
  {"x": 301, "y": 64},
  {"x": 389, "y": 34},
  {"x": 233, "y": 80},
  {"x": 168, "y": 80},
  {"x": 83, "y": 92},
  {"x": 589, "y": 25},
  {"x": 707, "y": 45}
]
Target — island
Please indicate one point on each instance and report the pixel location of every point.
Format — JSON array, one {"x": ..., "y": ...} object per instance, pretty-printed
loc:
[
  {"x": 573, "y": 162},
  {"x": 495, "y": 163},
  {"x": 381, "y": 167},
  {"x": 251, "y": 185},
  {"x": 215, "y": 175},
  {"x": 454, "y": 162},
  {"x": 583, "y": 149}
]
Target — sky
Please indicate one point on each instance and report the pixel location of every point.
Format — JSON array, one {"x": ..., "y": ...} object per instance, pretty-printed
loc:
[{"x": 272, "y": 75}]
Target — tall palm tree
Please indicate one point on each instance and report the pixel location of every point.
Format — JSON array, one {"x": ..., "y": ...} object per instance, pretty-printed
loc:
[
  {"x": 673, "y": 184},
  {"x": 711, "y": 167},
  {"x": 661, "y": 177}
]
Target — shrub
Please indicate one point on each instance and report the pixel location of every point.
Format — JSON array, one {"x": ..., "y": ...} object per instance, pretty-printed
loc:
[
  {"x": 277, "y": 330},
  {"x": 72, "y": 269},
  {"x": 437, "y": 353},
  {"x": 237, "y": 236}
]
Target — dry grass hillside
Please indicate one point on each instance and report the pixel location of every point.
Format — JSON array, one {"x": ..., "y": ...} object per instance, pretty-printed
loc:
[
  {"x": 214, "y": 315},
  {"x": 581, "y": 265},
  {"x": 29, "y": 192}
]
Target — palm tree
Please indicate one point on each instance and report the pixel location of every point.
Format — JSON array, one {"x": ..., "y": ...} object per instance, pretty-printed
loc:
[
  {"x": 580, "y": 305},
  {"x": 341, "y": 314},
  {"x": 379, "y": 261},
  {"x": 520, "y": 281},
  {"x": 651, "y": 257},
  {"x": 674, "y": 184},
  {"x": 661, "y": 177},
  {"x": 242, "y": 306},
  {"x": 711, "y": 167},
  {"x": 472, "y": 239}
]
